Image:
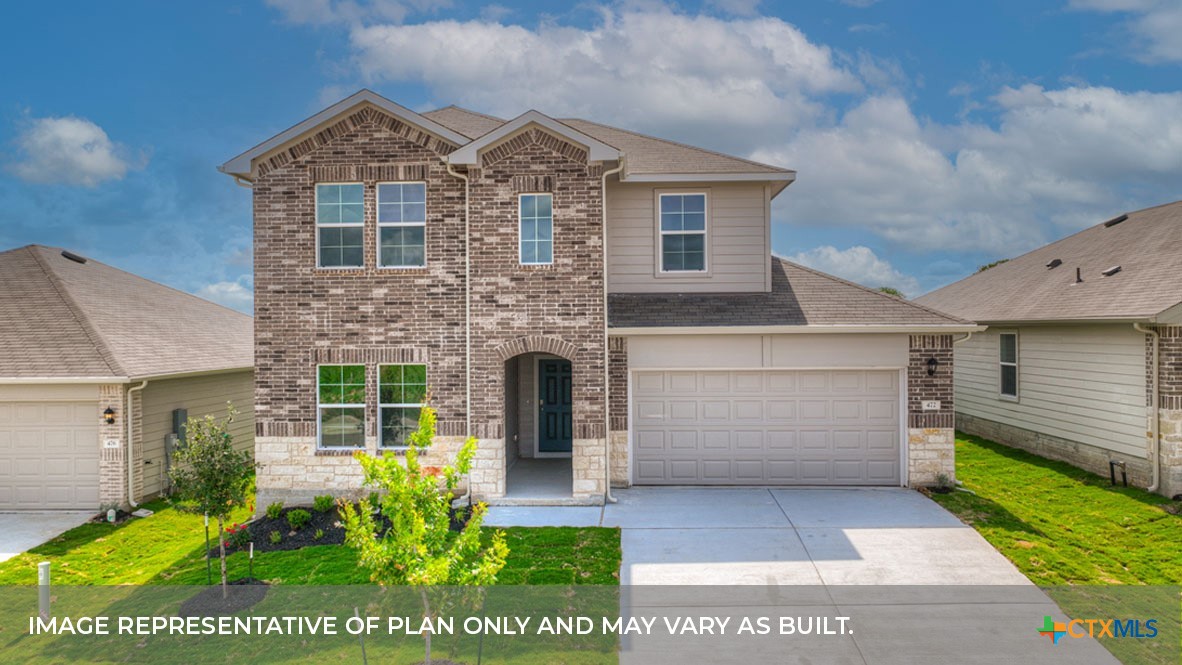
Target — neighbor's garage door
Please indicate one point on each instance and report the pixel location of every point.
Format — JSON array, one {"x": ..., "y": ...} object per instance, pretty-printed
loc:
[
  {"x": 770, "y": 427},
  {"x": 49, "y": 455}
]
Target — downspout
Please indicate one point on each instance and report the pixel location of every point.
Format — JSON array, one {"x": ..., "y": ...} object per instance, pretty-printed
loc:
[
  {"x": 130, "y": 457},
  {"x": 1154, "y": 433},
  {"x": 607, "y": 412},
  {"x": 966, "y": 338},
  {"x": 467, "y": 318}
]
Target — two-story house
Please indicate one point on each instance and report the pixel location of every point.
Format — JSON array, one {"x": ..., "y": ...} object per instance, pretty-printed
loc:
[{"x": 597, "y": 307}]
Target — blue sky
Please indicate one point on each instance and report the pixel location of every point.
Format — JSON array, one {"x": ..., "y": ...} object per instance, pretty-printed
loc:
[{"x": 929, "y": 137}]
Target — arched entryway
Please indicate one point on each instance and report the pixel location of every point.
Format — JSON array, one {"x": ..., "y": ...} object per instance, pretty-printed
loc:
[{"x": 539, "y": 418}]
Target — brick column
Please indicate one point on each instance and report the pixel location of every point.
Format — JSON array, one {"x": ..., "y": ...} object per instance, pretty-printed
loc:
[
  {"x": 112, "y": 462},
  {"x": 931, "y": 434},
  {"x": 1169, "y": 404},
  {"x": 617, "y": 351}
]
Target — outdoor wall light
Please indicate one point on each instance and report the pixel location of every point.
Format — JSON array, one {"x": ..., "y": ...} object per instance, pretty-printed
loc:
[
  {"x": 109, "y": 416},
  {"x": 932, "y": 365}
]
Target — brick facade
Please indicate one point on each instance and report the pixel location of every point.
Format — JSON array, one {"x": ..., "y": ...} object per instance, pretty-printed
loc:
[
  {"x": 306, "y": 315},
  {"x": 930, "y": 434},
  {"x": 1169, "y": 405},
  {"x": 112, "y": 464}
]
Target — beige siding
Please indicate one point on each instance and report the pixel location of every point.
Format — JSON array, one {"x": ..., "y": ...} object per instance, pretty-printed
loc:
[
  {"x": 737, "y": 253},
  {"x": 201, "y": 395},
  {"x": 1083, "y": 383}
]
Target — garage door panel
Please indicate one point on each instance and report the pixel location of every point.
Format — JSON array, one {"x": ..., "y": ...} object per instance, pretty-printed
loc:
[
  {"x": 49, "y": 455},
  {"x": 778, "y": 427}
]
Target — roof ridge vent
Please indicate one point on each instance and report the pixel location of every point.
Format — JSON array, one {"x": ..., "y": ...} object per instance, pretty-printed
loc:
[
  {"x": 1115, "y": 220},
  {"x": 73, "y": 257},
  {"x": 1055, "y": 263},
  {"x": 1111, "y": 271}
]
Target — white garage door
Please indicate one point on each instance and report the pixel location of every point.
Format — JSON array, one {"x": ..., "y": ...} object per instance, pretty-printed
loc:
[
  {"x": 770, "y": 427},
  {"x": 49, "y": 455}
]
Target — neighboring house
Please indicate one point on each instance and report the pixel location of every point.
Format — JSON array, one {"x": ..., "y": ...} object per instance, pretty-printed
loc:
[
  {"x": 452, "y": 253},
  {"x": 83, "y": 346},
  {"x": 1066, "y": 368}
]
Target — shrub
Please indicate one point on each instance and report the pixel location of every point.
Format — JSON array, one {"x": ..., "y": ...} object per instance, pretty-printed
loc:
[
  {"x": 323, "y": 503},
  {"x": 275, "y": 537},
  {"x": 298, "y": 518},
  {"x": 274, "y": 510},
  {"x": 237, "y": 535},
  {"x": 318, "y": 535}
]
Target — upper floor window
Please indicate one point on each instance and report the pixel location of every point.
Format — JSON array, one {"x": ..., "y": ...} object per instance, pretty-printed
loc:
[
  {"x": 683, "y": 232},
  {"x": 402, "y": 224},
  {"x": 402, "y": 390},
  {"x": 340, "y": 406},
  {"x": 536, "y": 225},
  {"x": 1008, "y": 363},
  {"x": 340, "y": 225}
]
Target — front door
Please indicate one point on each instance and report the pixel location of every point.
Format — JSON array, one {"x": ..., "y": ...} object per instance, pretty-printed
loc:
[{"x": 555, "y": 428}]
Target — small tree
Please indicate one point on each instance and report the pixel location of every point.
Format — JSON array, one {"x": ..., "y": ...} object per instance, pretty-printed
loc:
[
  {"x": 890, "y": 291},
  {"x": 209, "y": 476},
  {"x": 419, "y": 548}
]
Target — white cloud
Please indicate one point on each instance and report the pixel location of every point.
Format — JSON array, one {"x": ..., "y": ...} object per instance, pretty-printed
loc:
[
  {"x": 69, "y": 150},
  {"x": 237, "y": 295},
  {"x": 857, "y": 264},
  {"x": 650, "y": 69},
  {"x": 1154, "y": 25}
]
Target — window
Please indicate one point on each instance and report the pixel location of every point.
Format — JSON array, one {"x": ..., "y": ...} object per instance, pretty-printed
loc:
[
  {"x": 1009, "y": 365},
  {"x": 341, "y": 406},
  {"x": 402, "y": 390},
  {"x": 683, "y": 232},
  {"x": 340, "y": 225},
  {"x": 537, "y": 229},
  {"x": 402, "y": 224}
]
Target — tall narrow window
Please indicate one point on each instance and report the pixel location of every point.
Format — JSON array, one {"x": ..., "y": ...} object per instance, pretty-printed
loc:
[
  {"x": 536, "y": 229},
  {"x": 402, "y": 224},
  {"x": 683, "y": 232},
  {"x": 1009, "y": 365},
  {"x": 402, "y": 390},
  {"x": 340, "y": 225},
  {"x": 341, "y": 406}
]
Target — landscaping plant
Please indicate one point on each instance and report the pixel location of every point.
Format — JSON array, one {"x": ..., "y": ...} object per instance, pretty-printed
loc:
[
  {"x": 419, "y": 549},
  {"x": 323, "y": 503},
  {"x": 298, "y": 518},
  {"x": 274, "y": 510},
  {"x": 275, "y": 537},
  {"x": 209, "y": 476}
]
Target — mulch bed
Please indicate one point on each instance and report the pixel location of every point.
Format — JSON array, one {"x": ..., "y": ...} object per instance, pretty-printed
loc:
[
  {"x": 329, "y": 523},
  {"x": 241, "y": 595}
]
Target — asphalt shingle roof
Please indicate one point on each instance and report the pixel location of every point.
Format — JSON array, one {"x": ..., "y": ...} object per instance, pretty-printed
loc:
[
  {"x": 800, "y": 296},
  {"x": 60, "y": 318},
  {"x": 646, "y": 154},
  {"x": 1147, "y": 246}
]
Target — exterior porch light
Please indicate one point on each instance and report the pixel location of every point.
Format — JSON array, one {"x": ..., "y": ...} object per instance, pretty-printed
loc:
[
  {"x": 109, "y": 416},
  {"x": 932, "y": 365}
]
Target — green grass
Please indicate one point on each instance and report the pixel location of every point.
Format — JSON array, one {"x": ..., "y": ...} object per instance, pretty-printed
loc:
[
  {"x": 167, "y": 548},
  {"x": 1062, "y": 525}
]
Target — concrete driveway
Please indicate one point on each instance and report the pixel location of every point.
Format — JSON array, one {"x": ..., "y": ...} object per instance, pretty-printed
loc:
[
  {"x": 22, "y": 531},
  {"x": 761, "y": 536}
]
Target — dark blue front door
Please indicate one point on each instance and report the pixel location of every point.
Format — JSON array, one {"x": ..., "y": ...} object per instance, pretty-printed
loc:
[{"x": 555, "y": 428}]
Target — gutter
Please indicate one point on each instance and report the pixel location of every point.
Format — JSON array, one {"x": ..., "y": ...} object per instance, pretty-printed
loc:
[
  {"x": 607, "y": 412},
  {"x": 804, "y": 329},
  {"x": 1155, "y": 428},
  {"x": 130, "y": 457}
]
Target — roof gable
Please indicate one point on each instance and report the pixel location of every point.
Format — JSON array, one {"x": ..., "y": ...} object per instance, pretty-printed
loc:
[
  {"x": 243, "y": 165},
  {"x": 1147, "y": 245},
  {"x": 597, "y": 151}
]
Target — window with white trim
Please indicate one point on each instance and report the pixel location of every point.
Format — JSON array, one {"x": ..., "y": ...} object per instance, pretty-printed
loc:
[
  {"x": 340, "y": 225},
  {"x": 536, "y": 229},
  {"x": 402, "y": 392},
  {"x": 402, "y": 224},
  {"x": 683, "y": 232},
  {"x": 1008, "y": 362},
  {"x": 340, "y": 406}
]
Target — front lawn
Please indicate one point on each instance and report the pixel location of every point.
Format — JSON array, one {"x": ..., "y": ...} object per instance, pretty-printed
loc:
[
  {"x": 1063, "y": 525},
  {"x": 167, "y": 547}
]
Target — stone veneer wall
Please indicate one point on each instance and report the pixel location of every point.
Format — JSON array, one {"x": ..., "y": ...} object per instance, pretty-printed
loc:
[
  {"x": 931, "y": 436},
  {"x": 112, "y": 466},
  {"x": 306, "y": 315},
  {"x": 1170, "y": 405}
]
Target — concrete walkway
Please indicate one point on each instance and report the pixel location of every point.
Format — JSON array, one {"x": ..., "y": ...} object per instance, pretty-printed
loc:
[
  {"x": 25, "y": 530},
  {"x": 698, "y": 536}
]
